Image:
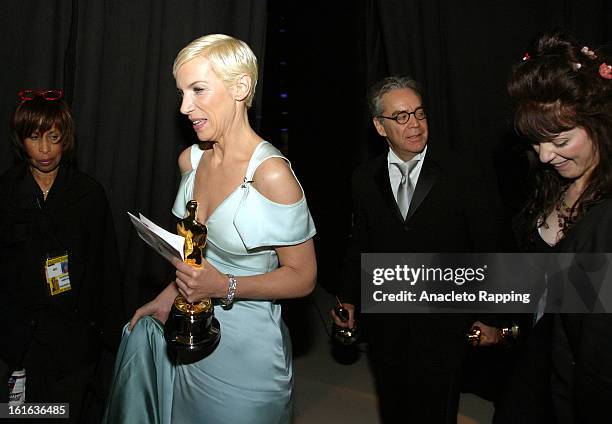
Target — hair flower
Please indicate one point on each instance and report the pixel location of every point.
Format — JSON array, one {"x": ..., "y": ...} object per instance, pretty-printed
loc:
[
  {"x": 588, "y": 52},
  {"x": 605, "y": 71},
  {"x": 526, "y": 56}
]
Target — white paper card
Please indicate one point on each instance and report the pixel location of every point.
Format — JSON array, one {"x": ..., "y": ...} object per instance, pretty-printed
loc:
[{"x": 165, "y": 243}]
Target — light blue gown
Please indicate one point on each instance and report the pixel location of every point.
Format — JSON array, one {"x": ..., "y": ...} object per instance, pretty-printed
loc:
[{"x": 248, "y": 378}]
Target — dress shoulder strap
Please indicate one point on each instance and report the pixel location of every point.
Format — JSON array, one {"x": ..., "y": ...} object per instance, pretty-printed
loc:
[
  {"x": 263, "y": 151},
  {"x": 196, "y": 155}
]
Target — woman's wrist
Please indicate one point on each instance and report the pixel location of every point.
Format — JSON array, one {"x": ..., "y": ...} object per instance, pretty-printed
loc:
[
  {"x": 228, "y": 300},
  {"x": 167, "y": 296},
  {"x": 171, "y": 290},
  {"x": 221, "y": 286}
]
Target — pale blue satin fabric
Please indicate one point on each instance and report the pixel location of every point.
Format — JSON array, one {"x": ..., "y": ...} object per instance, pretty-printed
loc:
[
  {"x": 248, "y": 378},
  {"x": 143, "y": 380}
]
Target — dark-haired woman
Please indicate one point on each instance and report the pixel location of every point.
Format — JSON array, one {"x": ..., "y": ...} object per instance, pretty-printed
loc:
[
  {"x": 563, "y": 105},
  {"x": 60, "y": 296}
]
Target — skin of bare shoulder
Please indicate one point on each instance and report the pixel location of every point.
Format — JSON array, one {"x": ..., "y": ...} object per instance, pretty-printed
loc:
[
  {"x": 275, "y": 181},
  {"x": 184, "y": 160}
]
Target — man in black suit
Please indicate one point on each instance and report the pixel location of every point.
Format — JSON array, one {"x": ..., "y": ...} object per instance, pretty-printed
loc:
[{"x": 416, "y": 359}]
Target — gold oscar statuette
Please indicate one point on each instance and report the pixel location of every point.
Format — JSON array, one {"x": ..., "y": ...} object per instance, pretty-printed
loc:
[{"x": 192, "y": 331}]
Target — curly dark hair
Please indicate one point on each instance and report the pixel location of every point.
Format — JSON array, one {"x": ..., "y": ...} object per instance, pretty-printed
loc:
[{"x": 555, "y": 88}]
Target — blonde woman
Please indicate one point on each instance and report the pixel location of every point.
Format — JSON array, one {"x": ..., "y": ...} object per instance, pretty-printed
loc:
[{"x": 259, "y": 230}]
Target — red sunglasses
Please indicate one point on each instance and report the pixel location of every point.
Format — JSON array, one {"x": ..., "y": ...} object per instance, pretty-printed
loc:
[{"x": 53, "y": 94}]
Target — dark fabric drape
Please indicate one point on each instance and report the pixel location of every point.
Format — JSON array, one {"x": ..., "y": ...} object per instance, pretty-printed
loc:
[
  {"x": 114, "y": 59},
  {"x": 35, "y": 35},
  {"x": 462, "y": 52},
  {"x": 328, "y": 118}
]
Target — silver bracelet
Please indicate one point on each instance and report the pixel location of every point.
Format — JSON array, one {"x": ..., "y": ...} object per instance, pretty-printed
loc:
[{"x": 231, "y": 292}]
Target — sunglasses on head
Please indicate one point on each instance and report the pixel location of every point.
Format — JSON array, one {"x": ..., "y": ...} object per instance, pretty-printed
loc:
[{"x": 53, "y": 94}]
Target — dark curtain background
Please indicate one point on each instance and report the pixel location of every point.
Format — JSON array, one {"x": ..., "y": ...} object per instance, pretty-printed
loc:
[
  {"x": 461, "y": 51},
  {"x": 114, "y": 59}
]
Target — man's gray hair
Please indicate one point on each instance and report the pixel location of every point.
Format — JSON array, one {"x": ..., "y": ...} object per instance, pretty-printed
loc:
[{"x": 387, "y": 84}]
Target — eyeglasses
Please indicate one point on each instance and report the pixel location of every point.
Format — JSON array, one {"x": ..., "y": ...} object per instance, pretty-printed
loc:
[
  {"x": 404, "y": 116},
  {"x": 53, "y": 94}
]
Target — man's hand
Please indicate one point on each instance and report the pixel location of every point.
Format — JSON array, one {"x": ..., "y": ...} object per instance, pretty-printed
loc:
[
  {"x": 350, "y": 308},
  {"x": 489, "y": 336}
]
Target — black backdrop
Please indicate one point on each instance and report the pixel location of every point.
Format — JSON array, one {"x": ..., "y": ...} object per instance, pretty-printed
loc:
[{"x": 114, "y": 59}]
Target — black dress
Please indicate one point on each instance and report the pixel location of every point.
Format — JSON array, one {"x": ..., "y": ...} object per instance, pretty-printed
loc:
[
  {"x": 526, "y": 398},
  {"x": 61, "y": 339},
  {"x": 565, "y": 373}
]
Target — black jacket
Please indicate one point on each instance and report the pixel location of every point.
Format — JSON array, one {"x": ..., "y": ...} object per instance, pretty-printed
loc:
[
  {"x": 564, "y": 374},
  {"x": 76, "y": 219},
  {"x": 453, "y": 209}
]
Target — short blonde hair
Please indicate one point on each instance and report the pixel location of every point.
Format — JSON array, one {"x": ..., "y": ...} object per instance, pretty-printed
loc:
[{"x": 229, "y": 57}]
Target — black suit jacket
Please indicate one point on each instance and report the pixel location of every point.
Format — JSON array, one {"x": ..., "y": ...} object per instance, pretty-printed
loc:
[{"x": 454, "y": 209}]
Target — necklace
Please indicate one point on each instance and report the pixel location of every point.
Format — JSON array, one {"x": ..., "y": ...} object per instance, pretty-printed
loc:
[
  {"x": 45, "y": 192},
  {"x": 564, "y": 212},
  {"x": 44, "y": 180}
]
